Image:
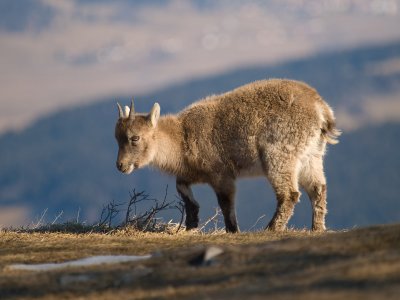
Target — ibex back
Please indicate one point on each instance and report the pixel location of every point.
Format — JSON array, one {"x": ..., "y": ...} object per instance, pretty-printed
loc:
[{"x": 272, "y": 128}]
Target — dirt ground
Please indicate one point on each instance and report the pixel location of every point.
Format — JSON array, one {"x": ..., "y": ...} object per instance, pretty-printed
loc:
[{"x": 356, "y": 264}]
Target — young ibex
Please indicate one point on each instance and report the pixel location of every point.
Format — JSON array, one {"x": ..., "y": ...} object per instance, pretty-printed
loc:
[{"x": 273, "y": 128}]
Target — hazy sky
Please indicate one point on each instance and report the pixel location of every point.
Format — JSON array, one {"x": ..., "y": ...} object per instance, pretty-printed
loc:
[{"x": 57, "y": 53}]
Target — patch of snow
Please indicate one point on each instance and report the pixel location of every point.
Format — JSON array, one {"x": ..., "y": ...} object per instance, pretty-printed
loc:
[{"x": 84, "y": 262}]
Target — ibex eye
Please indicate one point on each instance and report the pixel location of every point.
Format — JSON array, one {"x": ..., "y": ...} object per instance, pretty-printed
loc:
[{"x": 135, "y": 138}]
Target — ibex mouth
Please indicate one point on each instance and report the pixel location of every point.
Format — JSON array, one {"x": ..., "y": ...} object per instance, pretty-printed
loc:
[{"x": 128, "y": 170}]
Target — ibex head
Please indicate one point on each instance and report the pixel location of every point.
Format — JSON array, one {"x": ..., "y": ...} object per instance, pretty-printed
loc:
[{"x": 135, "y": 136}]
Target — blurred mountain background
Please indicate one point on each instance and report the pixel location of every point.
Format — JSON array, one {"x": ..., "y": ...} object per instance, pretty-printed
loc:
[{"x": 64, "y": 66}]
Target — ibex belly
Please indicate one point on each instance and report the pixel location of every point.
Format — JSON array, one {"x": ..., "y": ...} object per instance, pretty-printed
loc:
[{"x": 253, "y": 170}]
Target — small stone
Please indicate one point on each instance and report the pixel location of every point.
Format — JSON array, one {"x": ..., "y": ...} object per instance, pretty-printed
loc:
[{"x": 212, "y": 252}]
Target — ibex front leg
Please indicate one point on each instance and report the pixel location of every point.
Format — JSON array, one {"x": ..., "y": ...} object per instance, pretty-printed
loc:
[
  {"x": 191, "y": 205},
  {"x": 225, "y": 192}
]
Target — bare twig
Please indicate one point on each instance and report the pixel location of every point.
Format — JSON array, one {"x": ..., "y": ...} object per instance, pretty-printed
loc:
[
  {"x": 215, "y": 216},
  {"x": 135, "y": 198},
  {"x": 39, "y": 222},
  {"x": 57, "y": 217},
  {"x": 108, "y": 213},
  {"x": 216, "y": 221},
  {"x": 181, "y": 208},
  {"x": 156, "y": 209},
  {"x": 77, "y": 217},
  {"x": 114, "y": 211},
  {"x": 255, "y": 224},
  {"x": 103, "y": 216},
  {"x": 146, "y": 220}
]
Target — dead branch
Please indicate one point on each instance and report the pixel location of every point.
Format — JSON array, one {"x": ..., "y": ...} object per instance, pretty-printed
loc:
[
  {"x": 255, "y": 224},
  {"x": 215, "y": 216},
  {"x": 108, "y": 213},
  {"x": 180, "y": 206}
]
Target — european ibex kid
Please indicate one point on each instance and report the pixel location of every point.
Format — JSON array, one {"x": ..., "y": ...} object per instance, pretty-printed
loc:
[{"x": 273, "y": 128}]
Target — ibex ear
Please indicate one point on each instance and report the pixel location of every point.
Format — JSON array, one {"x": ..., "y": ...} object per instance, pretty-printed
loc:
[
  {"x": 127, "y": 111},
  {"x": 154, "y": 114}
]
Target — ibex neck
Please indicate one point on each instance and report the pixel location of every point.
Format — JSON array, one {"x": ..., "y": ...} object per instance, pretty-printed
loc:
[{"x": 168, "y": 157}]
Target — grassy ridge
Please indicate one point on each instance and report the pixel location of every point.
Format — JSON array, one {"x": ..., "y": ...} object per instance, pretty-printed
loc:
[
  {"x": 362, "y": 263},
  {"x": 36, "y": 247}
]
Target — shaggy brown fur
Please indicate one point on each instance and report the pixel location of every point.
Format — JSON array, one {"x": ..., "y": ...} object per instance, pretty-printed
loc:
[{"x": 273, "y": 128}]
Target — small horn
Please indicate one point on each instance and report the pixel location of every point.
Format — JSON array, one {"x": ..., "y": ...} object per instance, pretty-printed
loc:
[
  {"x": 132, "y": 111},
  {"x": 121, "y": 114}
]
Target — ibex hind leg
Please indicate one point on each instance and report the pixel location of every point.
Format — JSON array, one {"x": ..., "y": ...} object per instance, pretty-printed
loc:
[
  {"x": 191, "y": 205},
  {"x": 312, "y": 179},
  {"x": 283, "y": 178}
]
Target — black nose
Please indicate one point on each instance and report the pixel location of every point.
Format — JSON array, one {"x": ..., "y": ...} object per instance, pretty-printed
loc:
[{"x": 119, "y": 166}]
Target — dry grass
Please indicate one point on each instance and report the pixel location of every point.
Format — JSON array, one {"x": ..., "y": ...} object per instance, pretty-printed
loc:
[
  {"x": 35, "y": 247},
  {"x": 358, "y": 264}
]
